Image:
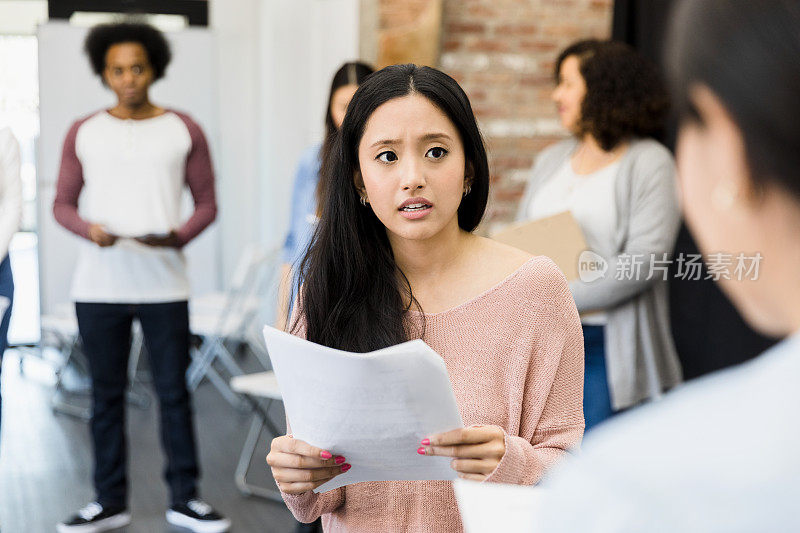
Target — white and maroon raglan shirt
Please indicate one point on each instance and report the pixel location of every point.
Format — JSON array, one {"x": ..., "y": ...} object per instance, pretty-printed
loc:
[{"x": 130, "y": 175}]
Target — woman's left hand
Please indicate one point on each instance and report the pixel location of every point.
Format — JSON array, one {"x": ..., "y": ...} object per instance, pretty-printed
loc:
[{"x": 477, "y": 450}]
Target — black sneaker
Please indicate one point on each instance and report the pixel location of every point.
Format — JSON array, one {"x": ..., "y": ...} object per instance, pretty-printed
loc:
[
  {"x": 95, "y": 518},
  {"x": 197, "y": 516}
]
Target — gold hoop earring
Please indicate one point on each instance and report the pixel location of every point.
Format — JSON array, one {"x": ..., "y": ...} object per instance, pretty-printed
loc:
[
  {"x": 723, "y": 198},
  {"x": 467, "y": 190},
  {"x": 363, "y": 201}
]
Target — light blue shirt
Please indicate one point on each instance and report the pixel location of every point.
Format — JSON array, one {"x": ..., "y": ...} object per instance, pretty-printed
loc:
[
  {"x": 303, "y": 219},
  {"x": 721, "y": 454}
]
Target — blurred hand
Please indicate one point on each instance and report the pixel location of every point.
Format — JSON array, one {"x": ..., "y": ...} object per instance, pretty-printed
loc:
[
  {"x": 159, "y": 239},
  {"x": 99, "y": 236},
  {"x": 477, "y": 450},
  {"x": 299, "y": 467}
]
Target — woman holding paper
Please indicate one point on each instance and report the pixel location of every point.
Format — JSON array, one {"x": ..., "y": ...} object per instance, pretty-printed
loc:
[
  {"x": 619, "y": 184},
  {"x": 394, "y": 258}
]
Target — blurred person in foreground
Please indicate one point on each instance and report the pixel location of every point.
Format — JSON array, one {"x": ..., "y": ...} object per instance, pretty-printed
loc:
[{"x": 720, "y": 454}]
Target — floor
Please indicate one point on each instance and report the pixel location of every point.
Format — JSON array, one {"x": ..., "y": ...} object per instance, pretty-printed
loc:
[{"x": 45, "y": 461}]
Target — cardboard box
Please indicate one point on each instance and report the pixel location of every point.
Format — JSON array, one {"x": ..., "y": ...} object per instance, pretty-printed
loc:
[{"x": 558, "y": 237}]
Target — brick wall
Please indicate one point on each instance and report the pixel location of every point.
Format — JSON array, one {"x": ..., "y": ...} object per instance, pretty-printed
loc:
[{"x": 502, "y": 54}]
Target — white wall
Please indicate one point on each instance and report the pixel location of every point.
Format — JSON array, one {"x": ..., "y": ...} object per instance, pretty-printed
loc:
[
  {"x": 302, "y": 44},
  {"x": 275, "y": 62},
  {"x": 235, "y": 26},
  {"x": 20, "y": 17}
]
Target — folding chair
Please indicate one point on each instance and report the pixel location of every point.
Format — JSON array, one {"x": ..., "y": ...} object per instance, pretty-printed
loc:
[
  {"x": 260, "y": 390},
  {"x": 60, "y": 330},
  {"x": 223, "y": 318}
]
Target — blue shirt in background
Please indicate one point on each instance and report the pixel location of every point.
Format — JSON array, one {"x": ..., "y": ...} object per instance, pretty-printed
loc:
[{"x": 303, "y": 219}]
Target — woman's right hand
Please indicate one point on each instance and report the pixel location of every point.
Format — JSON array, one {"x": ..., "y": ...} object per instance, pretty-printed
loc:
[{"x": 299, "y": 467}]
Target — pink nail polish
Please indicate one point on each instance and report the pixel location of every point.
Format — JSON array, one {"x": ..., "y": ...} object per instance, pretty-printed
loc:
[
  {"x": 425, "y": 442},
  {"x": 339, "y": 460},
  {"x": 421, "y": 450},
  {"x": 325, "y": 455},
  {"x": 346, "y": 467}
]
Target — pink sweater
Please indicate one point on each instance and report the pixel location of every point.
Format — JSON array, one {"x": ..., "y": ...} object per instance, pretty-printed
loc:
[{"x": 515, "y": 358}]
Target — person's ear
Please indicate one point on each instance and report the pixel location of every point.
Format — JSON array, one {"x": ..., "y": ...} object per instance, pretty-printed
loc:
[
  {"x": 469, "y": 174},
  {"x": 361, "y": 190},
  {"x": 469, "y": 177},
  {"x": 358, "y": 182}
]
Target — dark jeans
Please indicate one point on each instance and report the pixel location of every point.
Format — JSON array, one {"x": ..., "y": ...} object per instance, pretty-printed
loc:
[
  {"x": 7, "y": 290},
  {"x": 106, "y": 335},
  {"x": 596, "y": 396}
]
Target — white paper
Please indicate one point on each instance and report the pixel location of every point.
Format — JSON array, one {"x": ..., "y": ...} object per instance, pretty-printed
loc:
[
  {"x": 373, "y": 408},
  {"x": 492, "y": 507}
]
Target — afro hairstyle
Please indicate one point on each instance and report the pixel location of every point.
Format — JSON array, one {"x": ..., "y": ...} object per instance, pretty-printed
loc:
[{"x": 104, "y": 36}]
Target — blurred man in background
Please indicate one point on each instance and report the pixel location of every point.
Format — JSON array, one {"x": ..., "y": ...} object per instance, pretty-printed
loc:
[{"x": 129, "y": 165}]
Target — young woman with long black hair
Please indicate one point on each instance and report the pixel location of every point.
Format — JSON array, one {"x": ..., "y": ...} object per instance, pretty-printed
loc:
[{"x": 394, "y": 258}]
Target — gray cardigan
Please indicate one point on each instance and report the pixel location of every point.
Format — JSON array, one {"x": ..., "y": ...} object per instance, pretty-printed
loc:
[{"x": 641, "y": 360}]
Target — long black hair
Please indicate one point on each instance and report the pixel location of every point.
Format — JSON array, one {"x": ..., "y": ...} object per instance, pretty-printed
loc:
[
  {"x": 351, "y": 73},
  {"x": 353, "y": 296},
  {"x": 748, "y": 54}
]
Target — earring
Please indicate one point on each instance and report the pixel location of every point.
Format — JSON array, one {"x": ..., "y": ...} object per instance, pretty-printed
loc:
[
  {"x": 467, "y": 190},
  {"x": 363, "y": 201},
  {"x": 722, "y": 198}
]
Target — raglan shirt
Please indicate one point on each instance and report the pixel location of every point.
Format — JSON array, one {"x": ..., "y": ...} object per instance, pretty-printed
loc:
[{"x": 130, "y": 176}]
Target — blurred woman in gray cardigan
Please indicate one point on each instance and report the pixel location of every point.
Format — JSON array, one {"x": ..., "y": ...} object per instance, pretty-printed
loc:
[{"x": 620, "y": 186}]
